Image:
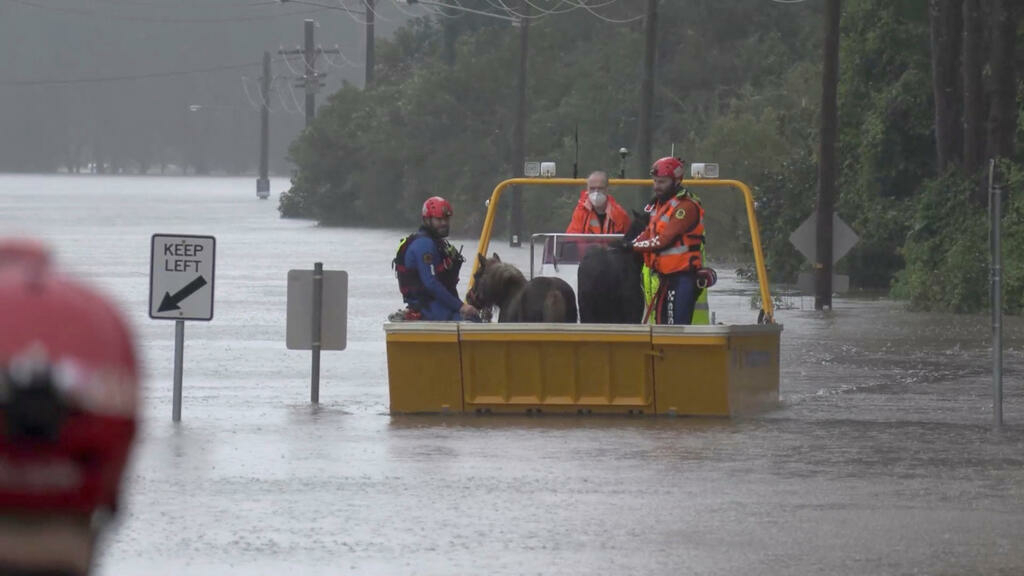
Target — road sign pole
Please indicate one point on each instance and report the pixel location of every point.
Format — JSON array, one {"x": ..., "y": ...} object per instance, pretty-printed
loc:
[
  {"x": 181, "y": 277},
  {"x": 179, "y": 356},
  {"x": 996, "y": 291},
  {"x": 318, "y": 292}
]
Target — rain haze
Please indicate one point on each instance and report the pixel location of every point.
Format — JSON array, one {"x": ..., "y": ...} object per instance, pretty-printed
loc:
[{"x": 879, "y": 458}]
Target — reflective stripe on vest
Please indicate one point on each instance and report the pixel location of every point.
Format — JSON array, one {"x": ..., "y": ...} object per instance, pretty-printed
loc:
[{"x": 673, "y": 259}]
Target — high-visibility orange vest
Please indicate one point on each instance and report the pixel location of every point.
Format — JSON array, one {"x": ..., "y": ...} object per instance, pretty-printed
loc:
[
  {"x": 586, "y": 221},
  {"x": 684, "y": 254}
]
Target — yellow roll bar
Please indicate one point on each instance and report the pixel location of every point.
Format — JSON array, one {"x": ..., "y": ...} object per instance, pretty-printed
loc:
[{"x": 755, "y": 235}]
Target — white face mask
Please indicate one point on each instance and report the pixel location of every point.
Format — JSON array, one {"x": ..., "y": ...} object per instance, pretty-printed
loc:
[{"x": 597, "y": 199}]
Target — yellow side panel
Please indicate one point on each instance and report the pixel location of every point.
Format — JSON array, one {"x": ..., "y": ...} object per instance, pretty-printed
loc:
[
  {"x": 691, "y": 375},
  {"x": 557, "y": 374},
  {"x": 754, "y": 372},
  {"x": 423, "y": 373}
]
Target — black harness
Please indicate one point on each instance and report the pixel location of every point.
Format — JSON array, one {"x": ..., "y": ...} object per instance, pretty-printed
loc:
[{"x": 447, "y": 270}]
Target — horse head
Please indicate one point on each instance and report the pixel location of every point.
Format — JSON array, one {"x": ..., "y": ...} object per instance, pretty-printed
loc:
[
  {"x": 640, "y": 221},
  {"x": 494, "y": 282},
  {"x": 481, "y": 295}
]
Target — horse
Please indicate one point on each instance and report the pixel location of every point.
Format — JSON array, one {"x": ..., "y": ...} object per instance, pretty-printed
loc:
[
  {"x": 542, "y": 299},
  {"x": 609, "y": 281}
]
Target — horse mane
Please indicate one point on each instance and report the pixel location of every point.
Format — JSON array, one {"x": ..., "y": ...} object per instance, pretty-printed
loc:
[
  {"x": 499, "y": 282},
  {"x": 637, "y": 225}
]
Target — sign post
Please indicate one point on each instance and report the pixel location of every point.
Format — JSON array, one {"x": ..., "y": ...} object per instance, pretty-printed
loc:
[
  {"x": 317, "y": 315},
  {"x": 181, "y": 270}
]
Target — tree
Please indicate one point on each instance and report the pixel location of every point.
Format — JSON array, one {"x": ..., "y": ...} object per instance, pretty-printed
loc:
[
  {"x": 974, "y": 97},
  {"x": 946, "y": 26},
  {"x": 1002, "y": 118}
]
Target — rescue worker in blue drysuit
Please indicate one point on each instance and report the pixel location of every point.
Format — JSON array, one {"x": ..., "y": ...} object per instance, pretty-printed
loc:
[{"x": 428, "y": 269}]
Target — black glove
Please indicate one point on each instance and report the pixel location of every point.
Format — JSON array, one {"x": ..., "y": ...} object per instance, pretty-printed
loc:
[{"x": 624, "y": 245}]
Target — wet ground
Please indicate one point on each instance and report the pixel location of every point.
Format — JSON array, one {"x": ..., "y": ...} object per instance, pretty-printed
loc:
[{"x": 881, "y": 458}]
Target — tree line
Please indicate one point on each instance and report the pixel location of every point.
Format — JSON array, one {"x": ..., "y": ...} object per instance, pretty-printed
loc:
[{"x": 928, "y": 90}]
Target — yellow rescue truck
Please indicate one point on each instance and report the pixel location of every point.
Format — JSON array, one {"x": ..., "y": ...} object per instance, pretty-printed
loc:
[{"x": 709, "y": 370}]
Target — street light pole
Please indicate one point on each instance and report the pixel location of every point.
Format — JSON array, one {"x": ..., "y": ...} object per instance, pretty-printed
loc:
[
  {"x": 519, "y": 133},
  {"x": 263, "y": 183}
]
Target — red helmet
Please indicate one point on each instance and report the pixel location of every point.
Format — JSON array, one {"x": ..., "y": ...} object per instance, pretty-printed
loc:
[
  {"x": 436, "y": 207},
  {"x": 668, "y": 167},
  {"x": 23, "y": 251},
  {"x": 68, "y": 392}
]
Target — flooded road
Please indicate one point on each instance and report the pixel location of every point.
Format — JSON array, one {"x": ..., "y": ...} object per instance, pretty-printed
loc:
[{"x": 880, "y": 459}]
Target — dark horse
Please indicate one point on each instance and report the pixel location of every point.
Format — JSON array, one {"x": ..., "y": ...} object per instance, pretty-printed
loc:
[
  {"x": 609, "y": 281},
  {"x": 542, "y": 299}
]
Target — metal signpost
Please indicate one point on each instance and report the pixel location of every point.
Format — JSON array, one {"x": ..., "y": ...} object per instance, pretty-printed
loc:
[
  {"x": 317, "y": 315},
  {"x": 995, "y": 213},
  {"x": 181, "y": 272}
]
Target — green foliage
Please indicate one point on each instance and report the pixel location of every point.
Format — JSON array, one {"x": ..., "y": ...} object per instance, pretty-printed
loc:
[
  {"x": 885, "y": 141},
  {"x": 434, "y": 125},
  {"x": 784, "y": 198},
  {"x": 738, "y": 83},
  {"x": 946, "y": 251},
  {"x": 1013, "y": 238}
]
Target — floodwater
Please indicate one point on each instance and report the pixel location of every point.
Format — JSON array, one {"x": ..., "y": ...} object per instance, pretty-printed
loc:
[{"x": 881, "y": 458}]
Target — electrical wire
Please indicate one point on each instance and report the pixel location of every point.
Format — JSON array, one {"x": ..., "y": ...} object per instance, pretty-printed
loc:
[
  {"x": 376, "y": 14},
  {"x": 291, "y": 90},
  {"x": 349, "y": 12},
  {"x": 292, "y": 68},
  {"x": 161, "y": 20},
  {"x": 554, "y": 10},
  {"x": 103, "y": 79},
  {"x": 252, "y": 103},
  {"x": 284, "y": 106},
  {"x": 398, "y": 4},
  {"x": 331, "y": 62},
  {"x": 588, "y": 8}
]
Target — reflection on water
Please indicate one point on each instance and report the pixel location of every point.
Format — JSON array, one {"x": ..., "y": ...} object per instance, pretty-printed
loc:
[{"x": 879, "y": 460}]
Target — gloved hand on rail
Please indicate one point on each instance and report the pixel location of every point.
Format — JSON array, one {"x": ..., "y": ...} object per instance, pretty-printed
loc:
[
  {"x": 706, "y": 278},
  {"x": 624, "y": 245}
]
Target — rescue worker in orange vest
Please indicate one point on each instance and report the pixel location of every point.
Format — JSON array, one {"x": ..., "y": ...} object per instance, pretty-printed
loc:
[
  {"x": 69, "y": 392},
  {"x": 597, "y": 212},
  {"x": 671, "y": 245}
]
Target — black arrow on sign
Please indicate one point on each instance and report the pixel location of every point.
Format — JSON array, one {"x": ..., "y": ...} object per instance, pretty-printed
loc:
[{"x": 171, "y": 302}]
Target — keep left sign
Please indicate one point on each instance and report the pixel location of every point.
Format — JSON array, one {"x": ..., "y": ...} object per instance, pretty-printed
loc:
[{"x": 181, "y": 277}]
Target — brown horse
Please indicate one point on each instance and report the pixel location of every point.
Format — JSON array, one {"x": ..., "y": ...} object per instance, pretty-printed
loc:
[{"x": 542, "y": 299}]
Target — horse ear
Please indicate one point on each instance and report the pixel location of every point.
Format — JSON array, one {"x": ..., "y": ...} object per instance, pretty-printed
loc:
[
  {"x": 496, "y": 257},
  {"x": 480, "y": 258}
]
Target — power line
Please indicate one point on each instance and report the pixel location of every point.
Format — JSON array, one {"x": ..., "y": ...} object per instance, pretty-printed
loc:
[
  {"x": 103, "y": 79},
  {"x": 164, "y": 20},
  {"x": 249, "y": 98},
  {"x": 349, "y": 12},
  {"x": 376, "y": 14},
  {"x": 398, "y": 5},
  {"x": 343, "y": 57}
]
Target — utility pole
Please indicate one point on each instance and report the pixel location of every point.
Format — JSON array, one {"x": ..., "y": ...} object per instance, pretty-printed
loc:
[
  {"x": 827, "y": 158},
  {"x": 519, "y": 133},
  {"x": 311, "y": 78},
  {"x": 312, "y": 81},
  {"x": 263, "y": 183},
  {"x": 643, "y": 145},
  {"x": 369, "y": 45}
]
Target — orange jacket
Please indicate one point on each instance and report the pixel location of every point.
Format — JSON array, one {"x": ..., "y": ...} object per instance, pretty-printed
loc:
[
  {"x": 672, "y": 241},
  {"x": 585, "y": 220}
]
